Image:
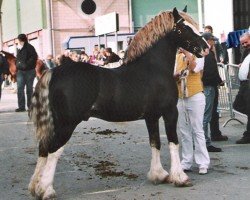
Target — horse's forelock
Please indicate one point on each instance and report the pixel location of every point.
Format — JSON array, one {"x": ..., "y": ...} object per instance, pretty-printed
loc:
[{"x": 152, "y": 32}]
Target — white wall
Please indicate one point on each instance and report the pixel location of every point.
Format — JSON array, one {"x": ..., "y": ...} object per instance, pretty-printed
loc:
[{"x": 219, "y": 15}]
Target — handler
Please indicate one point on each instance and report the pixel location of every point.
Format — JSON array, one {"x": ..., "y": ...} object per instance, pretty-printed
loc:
[{"x": 191, "y": 106}]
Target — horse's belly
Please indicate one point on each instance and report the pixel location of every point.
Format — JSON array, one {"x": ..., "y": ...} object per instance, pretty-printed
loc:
[{"x": 113, "y": 114}]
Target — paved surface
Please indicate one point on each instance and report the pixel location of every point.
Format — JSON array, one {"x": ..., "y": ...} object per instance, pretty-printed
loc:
[{"x": 100, "y": 165}]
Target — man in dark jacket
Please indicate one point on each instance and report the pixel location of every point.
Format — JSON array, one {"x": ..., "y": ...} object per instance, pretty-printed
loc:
[
  {"x": 222, "y": 57},
  {"x": 26, "y": 62},
  {"x": 211, "y": 79}
]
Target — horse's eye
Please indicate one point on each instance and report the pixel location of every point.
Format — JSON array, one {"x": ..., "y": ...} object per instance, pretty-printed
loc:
[{"x": 179, "y": 32}]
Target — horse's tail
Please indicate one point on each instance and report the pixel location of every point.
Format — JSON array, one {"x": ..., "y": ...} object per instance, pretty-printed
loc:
[{"x": 40, "y": 112}]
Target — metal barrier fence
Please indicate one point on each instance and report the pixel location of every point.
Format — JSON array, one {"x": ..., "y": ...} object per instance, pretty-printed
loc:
[{"x": 227, "y": 93}]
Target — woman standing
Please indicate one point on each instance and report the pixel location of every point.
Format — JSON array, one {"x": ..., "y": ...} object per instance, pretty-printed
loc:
[{"x": 191, "y": 105}]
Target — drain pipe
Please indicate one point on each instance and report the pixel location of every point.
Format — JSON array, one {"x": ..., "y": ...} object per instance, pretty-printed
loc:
[
  {"x": 201, "y": 14},
  {"x": 51, "y": 45},
  {"x": 1, "y": 31},
  {"x": 131, "y": 25}
]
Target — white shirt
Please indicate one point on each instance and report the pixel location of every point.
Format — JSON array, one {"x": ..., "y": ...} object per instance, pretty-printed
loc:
[
  {"x": 244, "y": 69},
  {"x": 199, "y": 64}
]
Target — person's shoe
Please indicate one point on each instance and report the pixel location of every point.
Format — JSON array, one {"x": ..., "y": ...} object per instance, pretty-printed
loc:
[
  {"x": 219, "y": 138},
  {"x": 213, "y": 149},
  {"x": 243, "y": 140},
  {"x": 203, "y": 171},
  {"x": 20, "y": 110}
]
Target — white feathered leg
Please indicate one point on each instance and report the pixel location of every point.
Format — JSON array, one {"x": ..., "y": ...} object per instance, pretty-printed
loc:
[
  {"x": 44, "y": 188},
  {"x": 41, "y": 162},
  {"x": 157, "y": 174},
  {"x": 177, "y": 175}
]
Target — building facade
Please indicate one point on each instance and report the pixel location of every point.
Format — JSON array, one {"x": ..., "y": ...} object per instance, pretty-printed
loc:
[{"x": 50, "y": 24}]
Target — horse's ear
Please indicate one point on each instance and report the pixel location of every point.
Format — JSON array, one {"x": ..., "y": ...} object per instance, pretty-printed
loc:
[
  {"x": 175, "y": 11},
  {"x": 185, "y": 9},
  {"x": 176, "y": 15}
]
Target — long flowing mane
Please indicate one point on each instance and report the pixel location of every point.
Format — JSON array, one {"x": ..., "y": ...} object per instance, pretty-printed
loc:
[{"x": 153, "y": 31}]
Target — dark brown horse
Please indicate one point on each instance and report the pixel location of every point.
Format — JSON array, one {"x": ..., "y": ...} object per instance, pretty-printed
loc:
[{"x": 11, "y": 59}]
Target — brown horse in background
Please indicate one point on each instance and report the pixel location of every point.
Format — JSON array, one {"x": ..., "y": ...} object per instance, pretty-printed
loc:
[{"x": 11, "y": 59}]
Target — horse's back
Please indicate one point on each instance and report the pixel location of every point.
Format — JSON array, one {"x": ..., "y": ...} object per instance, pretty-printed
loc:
[{"x": 73, "y": 89}]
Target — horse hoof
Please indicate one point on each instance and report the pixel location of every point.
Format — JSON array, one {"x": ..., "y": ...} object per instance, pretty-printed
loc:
[
  {"x": 158, "y": 176},
  {"x": 31, "y": 189},
  {"x": 167, "y": 180},
  {"x": 187, "y": 183},
  {"x": 50, "y": 194}
]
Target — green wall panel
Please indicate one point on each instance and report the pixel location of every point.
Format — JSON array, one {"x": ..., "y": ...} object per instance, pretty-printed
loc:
[
  {"x": 9, "y": 19},
  {"x": 31, "y": 13},
  {"x": 22, "y": 16},
  {"x": 144, "y": 10}
]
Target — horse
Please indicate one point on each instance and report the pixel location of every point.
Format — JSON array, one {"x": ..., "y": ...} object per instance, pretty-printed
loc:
[
  {"x": 142, "y": 88},
  {"x": 11, "y": 59}
]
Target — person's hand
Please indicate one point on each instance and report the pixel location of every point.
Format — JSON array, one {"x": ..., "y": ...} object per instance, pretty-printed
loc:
[
  {"x": 221, "y": 59},
  {"x": 222, "y": 83},
  {"x": 177, "y": 76}
]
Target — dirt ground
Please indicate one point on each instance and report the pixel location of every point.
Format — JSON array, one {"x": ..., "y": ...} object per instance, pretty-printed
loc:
[{"x": 110, "y": 161}]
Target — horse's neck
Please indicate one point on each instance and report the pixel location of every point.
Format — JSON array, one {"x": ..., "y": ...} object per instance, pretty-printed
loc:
[{"x": 161, "y": 56}]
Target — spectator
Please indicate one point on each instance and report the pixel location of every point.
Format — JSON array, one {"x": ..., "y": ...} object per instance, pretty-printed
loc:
[
  {"x": 242, "y": 100},
  {"x": 95, "y": 58},
  {"x": 191, "y": 105},
  {"x": 84, "y": 57},
  {"x": 245, "y": 44},
  {"x": 211, "y": 80},
  {"x": 111, "y": 57},
  {"x": 217, "y": 48},
  {"x": 1, "y": 81},
  {"x": 82, "y": 51},
  {"x": 58, "y": 60},
  {"x": 222, "y": 56},
  {"x": 6, "y": 81},
  {"x": 96, "y": 47},
  {"x": 49, "y": 62},
  {"x": 4, "y": 67},
  {"x": 129, "y": 40},
  {"x": 101, "y": 54},
  {"x": 26, "y": 62},
  {"x": 223, "y": 40},
  {"x": 74, "y": 56},
  {"x": 66, "y": 53}
]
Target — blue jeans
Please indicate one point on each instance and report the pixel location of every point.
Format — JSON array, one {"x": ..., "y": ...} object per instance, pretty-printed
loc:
[
  {"x": 210, "y": 95},
  {"x": 25, "y": 78},
  {"x": 1, "y": 81}
]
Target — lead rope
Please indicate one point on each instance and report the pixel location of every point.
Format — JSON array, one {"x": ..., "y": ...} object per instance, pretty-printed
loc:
[{"x": 183, "y": 79}]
